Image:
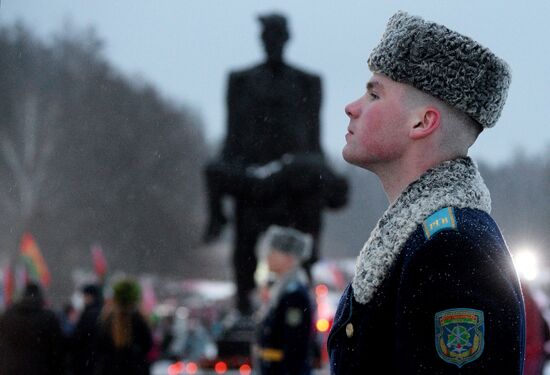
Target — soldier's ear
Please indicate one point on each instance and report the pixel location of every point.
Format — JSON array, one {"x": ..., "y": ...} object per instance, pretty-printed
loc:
[{"x": 424, "y": 122}]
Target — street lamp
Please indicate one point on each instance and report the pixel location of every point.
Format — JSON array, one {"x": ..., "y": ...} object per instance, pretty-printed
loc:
[{"x": 526, "y": 263}]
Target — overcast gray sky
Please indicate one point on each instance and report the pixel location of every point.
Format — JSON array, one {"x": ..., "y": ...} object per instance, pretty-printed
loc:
[{"x": 186, "y": 48}]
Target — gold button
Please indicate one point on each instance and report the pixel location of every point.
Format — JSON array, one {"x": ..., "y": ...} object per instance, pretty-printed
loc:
[{"x": 349, "y": 330}]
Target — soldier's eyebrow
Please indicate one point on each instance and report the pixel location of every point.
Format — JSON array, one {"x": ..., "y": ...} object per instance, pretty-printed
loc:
[{"x": 371, "y": 85}]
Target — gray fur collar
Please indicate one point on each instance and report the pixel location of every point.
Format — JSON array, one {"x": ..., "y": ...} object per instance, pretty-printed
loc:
[{"x": 455, "y": 183}]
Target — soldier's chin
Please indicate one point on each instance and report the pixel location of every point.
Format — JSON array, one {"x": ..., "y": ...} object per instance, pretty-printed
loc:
[
  {"x": 346, "y": 154},
  {"x": 351, "y": 158}
]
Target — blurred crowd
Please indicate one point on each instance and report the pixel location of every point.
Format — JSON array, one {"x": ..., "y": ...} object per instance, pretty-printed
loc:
[
  {"x": 107, "y": 332},
  {"x": 105, "y": 337},
  {"x": 111, "y": 335}
]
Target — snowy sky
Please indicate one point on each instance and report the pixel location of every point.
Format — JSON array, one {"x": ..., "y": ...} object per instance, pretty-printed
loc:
[{"x": 186, "y": 48}]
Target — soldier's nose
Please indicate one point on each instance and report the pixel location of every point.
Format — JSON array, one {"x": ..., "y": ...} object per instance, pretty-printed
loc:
[{"x": 351, "y": 110}]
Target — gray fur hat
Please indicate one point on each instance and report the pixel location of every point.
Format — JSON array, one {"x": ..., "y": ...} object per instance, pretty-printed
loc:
[
  {"x": 445, "y": 64},
  {"x": 287, "y": 240}
]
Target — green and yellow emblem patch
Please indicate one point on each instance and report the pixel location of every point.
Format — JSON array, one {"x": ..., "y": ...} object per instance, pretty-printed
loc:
[{"x": 459, "y": 335}]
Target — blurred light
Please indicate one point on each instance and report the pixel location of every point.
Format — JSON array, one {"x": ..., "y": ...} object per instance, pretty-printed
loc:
[
  {"x": 321, "y": 290},
  {"x": 526, "y": 263},
  {"x": 191, "y": 368},
  {"x": 220, "y": 367},
  {"x": 245, "y": 369},
  {"x": 322, "y": 325},
  {"x": 323, "y": 309},
  {"x": 176, "y": 368}
]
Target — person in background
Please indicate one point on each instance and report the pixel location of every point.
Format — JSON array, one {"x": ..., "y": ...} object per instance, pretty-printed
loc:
[
  {"x": 30, "y": 337},
  {"x": 68, "y": 317},
  {"x": 124, "y": 337},
  {"x": 537, "y": 334},
  {"x": 285, "y": 328},
  {"x": 435, "y": 290},
  {"x": 165, "y": 335},
  {"x": 85, "y": 332}
]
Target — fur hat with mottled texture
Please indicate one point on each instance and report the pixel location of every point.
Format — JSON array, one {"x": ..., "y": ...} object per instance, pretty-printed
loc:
[
  {"x": 445, "y": 64},
  {"x": 287, "y": 240}
]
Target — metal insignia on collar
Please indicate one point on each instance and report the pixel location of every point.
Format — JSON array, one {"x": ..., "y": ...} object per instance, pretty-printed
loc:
[{"x": 459, "y": 335}]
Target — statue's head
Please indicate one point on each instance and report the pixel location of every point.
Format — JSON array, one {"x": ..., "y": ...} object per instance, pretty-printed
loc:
[{"x": 274, "y": 35}]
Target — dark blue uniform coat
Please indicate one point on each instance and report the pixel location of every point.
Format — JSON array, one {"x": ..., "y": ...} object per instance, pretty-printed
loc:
[
  {"x": 285, "y": 333},
  {"x": 451, "y": 304}
]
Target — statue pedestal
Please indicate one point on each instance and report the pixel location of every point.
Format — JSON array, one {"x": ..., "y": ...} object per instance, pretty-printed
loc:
[
  {"x": 238, "y": 338},
  {"x": 234, "y": 346}
]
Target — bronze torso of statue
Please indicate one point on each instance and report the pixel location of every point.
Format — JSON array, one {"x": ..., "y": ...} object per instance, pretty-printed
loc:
[
  {"x": 273, "y": 110},
  {"x": 271, "y": 162}
]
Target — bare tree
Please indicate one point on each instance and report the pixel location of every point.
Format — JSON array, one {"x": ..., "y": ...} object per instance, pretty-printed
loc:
[{"x": 88, "y": 155}]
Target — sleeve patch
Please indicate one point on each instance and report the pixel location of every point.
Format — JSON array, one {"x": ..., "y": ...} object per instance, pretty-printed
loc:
[
  {"x": 443, "y": 219},
  {"x": 459, "y": 335}
]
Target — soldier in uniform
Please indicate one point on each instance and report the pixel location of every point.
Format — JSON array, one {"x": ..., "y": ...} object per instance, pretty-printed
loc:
[
  {"x": 285, "y": 329},
  {"x": 435, "y": 290},
  {"x": 271, "y": 163}
]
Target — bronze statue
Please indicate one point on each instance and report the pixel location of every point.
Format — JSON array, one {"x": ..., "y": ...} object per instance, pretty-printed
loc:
[{"x": 271, "y": 163}]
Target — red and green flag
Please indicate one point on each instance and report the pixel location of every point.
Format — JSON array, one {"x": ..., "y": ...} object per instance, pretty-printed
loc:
[{"x": 35, "y": 264}]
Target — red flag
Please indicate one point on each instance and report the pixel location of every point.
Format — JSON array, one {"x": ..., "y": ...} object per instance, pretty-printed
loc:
[
  {"x": 149, "y": 298},
  {"x": 9, "y": 285},
  {"x": 99, "y": 261},
  {"x": 34, "y": 262}
]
